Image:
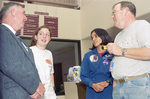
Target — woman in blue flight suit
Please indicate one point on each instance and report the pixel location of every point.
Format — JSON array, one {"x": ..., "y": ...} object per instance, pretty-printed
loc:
[{"x": 95, "y": 67}]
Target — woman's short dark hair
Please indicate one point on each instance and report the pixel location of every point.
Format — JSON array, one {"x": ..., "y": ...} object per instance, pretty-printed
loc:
[
  {"x": 103, "y": 35},
  {"x": 33, "y": 40}
]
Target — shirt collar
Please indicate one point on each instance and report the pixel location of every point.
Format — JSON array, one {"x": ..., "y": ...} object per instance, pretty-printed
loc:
[{"x": 8, "y": 26}]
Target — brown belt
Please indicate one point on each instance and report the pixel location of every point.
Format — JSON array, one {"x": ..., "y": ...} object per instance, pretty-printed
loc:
[{"x": 130, "y": 78}]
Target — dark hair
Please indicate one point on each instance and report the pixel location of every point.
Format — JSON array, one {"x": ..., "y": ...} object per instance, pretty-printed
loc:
[
  {"x": 33, "y": 40},
  {"x": 128, "y": 4},
  {"x": 103, "y": 35},
  {"x": 7, "y": 8}
]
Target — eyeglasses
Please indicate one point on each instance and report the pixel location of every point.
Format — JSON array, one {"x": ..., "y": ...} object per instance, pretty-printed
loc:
[{"x": 114, "y": 12}]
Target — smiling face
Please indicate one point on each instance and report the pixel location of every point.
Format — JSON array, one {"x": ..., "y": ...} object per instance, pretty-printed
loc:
[
  {"x": 96, "y": 40},
  {"x": 43, "y": 38}
]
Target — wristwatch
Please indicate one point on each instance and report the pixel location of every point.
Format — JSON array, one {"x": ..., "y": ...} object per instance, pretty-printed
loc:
[
  {"x": 108, "y": 81},
  {"x": 123, "y": 51}
]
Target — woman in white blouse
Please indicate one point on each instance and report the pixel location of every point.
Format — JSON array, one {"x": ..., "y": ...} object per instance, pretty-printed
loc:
[{"x": 44, "y": 60}]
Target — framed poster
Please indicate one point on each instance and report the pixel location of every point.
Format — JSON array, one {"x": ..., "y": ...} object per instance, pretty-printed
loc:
[
  {"x": 52, "y": 22},
  {"x": 31, "y": 24}
]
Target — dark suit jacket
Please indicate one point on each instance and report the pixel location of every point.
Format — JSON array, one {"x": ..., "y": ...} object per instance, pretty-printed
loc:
[{"x": 18, "y": 75}]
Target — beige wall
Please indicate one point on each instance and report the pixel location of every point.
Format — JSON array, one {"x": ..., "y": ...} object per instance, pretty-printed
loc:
[
  {"x": 85, "y": 45},
  {"x": 68, "y": 20},
  {"x": 0, "y": 3},
  {"x": 97, "y": 13}
]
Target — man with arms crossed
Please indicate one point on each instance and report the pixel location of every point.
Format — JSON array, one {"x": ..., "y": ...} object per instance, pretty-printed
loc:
[
  {"x": 132, "y": 54},
  {"x": 19, "y": 78}
]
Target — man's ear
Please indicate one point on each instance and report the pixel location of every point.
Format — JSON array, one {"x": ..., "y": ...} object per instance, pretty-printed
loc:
[
  {"x": 126, "y": 10},
  {"x": 13, "y": 11}
]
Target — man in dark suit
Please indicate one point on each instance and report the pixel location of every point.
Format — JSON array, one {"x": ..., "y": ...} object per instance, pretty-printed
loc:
[{"x": 19, "y": 78}]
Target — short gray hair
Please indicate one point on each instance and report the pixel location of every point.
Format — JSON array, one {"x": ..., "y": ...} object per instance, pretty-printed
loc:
[
  {"x": 6, "y": 8},
  {"x": 128, "y": 4}
]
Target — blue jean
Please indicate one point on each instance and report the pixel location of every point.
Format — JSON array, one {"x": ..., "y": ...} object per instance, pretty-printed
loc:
[{"x": 138, "y": 88}]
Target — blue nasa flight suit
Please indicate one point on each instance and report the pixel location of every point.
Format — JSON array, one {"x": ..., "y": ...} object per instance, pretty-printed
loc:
[{"x": 95, "y": 69}]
